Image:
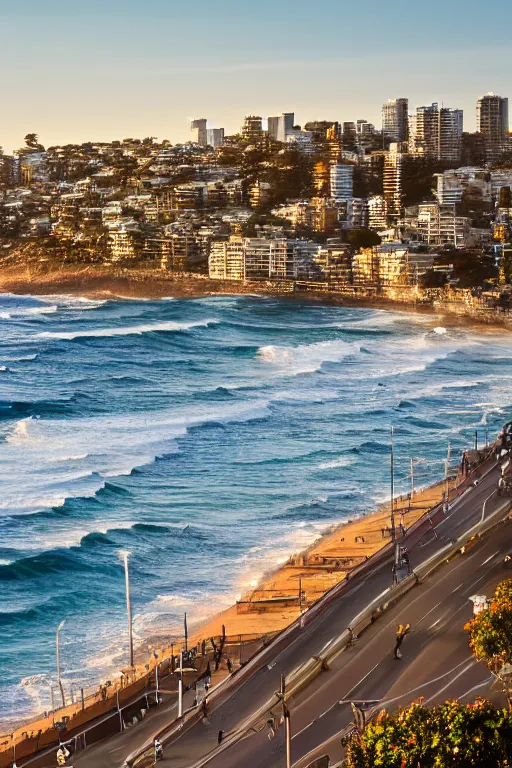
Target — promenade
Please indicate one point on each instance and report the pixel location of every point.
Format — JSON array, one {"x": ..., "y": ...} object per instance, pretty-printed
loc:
[{"x": 235, "y": 705}]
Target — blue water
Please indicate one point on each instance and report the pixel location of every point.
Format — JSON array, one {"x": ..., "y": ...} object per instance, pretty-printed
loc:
[{"x": 210, "y": 438}]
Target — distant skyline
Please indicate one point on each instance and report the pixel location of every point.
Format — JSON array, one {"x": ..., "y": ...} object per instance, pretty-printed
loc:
[{"x": 97, "y": 70}]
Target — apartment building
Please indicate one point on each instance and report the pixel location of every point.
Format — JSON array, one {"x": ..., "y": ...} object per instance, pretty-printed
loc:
[
  {"x": 341, "y": 181},
  {"x": 390, "y": 266},
  {"x": 395, "y": 119},
  {"x": 437, "y": 225},
  {"x": 319, "y": 213},
  {"x": 199, "y": 131},
  {"x": 303, "y": 140},
  {"x": 377, "y": 212},
  {"x": 392, "y": 179},
  {"x": 252, "y": 129},
  {"x": 353, "y": 213},
  {"x": 259, "y": 258},
  {"x": 437, "y": 133},
  {"x": 279, "y": 128},
  {"x": 125, "y": 240},
  {"x": 335, "y": 261},
  {"x": 492, "y": 123},
  {"x": 453, "y": 183},
  {"x": 215, "y": 137}
]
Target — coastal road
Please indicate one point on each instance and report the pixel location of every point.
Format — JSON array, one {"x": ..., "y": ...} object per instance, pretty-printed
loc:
[
  {"x": 325, "y": 624},
  {"x": 437, "y": 663}
]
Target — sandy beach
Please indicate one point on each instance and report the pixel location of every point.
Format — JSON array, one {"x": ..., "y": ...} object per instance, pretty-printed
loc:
[
  {"x": 281, "y": 596},
  {"x": 95, "y": 282}
]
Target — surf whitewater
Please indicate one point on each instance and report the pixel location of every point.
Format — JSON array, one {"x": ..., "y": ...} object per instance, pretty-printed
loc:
[{"x": 211, "y": 438}]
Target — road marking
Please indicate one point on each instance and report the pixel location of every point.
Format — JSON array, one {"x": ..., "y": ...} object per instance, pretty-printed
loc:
[
  {"x": 450, "y": 682},
  {"x": 428, "y": 612},
  {"x": 457, "y": 588},
  {"x": 385, "y": 703},
  {"x": 347, "y": 695},
  {"x": 476, "y": 687},
  {"x": 491, "y": 557}
]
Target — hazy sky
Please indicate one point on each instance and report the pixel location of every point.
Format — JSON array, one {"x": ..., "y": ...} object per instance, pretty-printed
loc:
[{"x": 76, "y": 70}]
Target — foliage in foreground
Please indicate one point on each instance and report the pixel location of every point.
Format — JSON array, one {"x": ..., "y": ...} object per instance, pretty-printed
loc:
[
  {"x": 453, "y": 734},
  {"x": 490, "y": 634}
]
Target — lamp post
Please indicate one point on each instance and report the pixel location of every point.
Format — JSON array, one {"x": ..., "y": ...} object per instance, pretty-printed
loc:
[
  {"x": 155, "y": 654},
  {"x": 392, "y": 469},
  {"x": 180, "y": 687},
  {"x": 124, "y": 556},
  {"x": 57, "y": 648}
]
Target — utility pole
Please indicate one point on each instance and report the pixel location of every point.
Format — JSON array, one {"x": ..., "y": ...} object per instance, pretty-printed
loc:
[
  {"x": 128, "y": 605},
  {"x": 476, "y": 439},
  {"x": 57, "y": 646},
  {"x": 186, "y": 632},
  {"x": 446, "y": 470},
  {"x": 287, "y": 724},
  {"x": 180, "y": 686},
  {"x": 392, "y": 468},
  {"x": 155, "y": 654}
]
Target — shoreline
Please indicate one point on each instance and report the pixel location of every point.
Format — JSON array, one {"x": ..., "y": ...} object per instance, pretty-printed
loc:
[
  {"x": 116, "y": 283},
  {"x": 277, "y": 599}
]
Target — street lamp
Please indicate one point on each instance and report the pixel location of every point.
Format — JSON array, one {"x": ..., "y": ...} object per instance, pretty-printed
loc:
[
  {"x": 392, "y": 468},
  {"x": 155, "y": 654},
  {"x": 57, "y": 647},
  {"x": 124, "y": 556}
]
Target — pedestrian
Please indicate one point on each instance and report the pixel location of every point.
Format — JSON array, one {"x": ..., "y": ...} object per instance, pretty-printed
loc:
[
  {"x": 159, "y": 750},
  {"x": 230, "y": 666},
  {"x": 219, "y": 737},
  {"x": 62, "y": 755},
  {"x": 402, "y": 631},
  {"x": 205, "y": 707}
]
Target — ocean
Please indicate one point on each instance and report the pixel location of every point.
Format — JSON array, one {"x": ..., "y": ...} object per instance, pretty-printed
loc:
[{"x": 210, "y": 438}]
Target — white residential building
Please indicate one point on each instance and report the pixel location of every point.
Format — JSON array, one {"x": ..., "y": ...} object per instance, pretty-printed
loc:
[
  {"x": 395, "y": 119},
  {"x": 259, "y": 258},
  {"x": 377, "y": 212},
  {"x": 342, "y": 181}
]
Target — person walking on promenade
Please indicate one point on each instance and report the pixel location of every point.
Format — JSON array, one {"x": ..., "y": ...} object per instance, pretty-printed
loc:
[
  {"x": 159, "y": 750},
  {"x": 219, "y": 738},
  {"x": 229, "y": 665},
  {"x": 402, "y": 631}
]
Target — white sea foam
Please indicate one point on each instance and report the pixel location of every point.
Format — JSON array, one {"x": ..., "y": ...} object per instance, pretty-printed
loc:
[
  {"x": 126, "y": 330},
  {"x": 75, "y": 457},
  {"x": 440, "y": 331},
  {"x": 343, "y": 461},
  {"x": 305, "y": 358},
  {"x": 5, "y": 315},
  {"x": 110, "y": 446}
]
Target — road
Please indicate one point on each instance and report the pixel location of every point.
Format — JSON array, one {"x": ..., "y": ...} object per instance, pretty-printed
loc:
[
  {"x": 324, "y": 623},
  {"x": 436, "y": 663}
]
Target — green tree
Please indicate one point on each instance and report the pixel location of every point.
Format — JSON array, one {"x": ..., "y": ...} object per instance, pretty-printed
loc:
[
  {"x": 433, "y": 278},
  {"x": 363, "y": 238},
  {"x": 418, "y": 180},
  {"x": 452, "y": 734},
  {"x": 490, "y": 635},
  {"x": 470, "y": 268},
  {"x": 32, "y": 141}
]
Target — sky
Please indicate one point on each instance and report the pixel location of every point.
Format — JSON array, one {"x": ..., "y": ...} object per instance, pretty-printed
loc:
[{"x": 76, "y": 70}]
